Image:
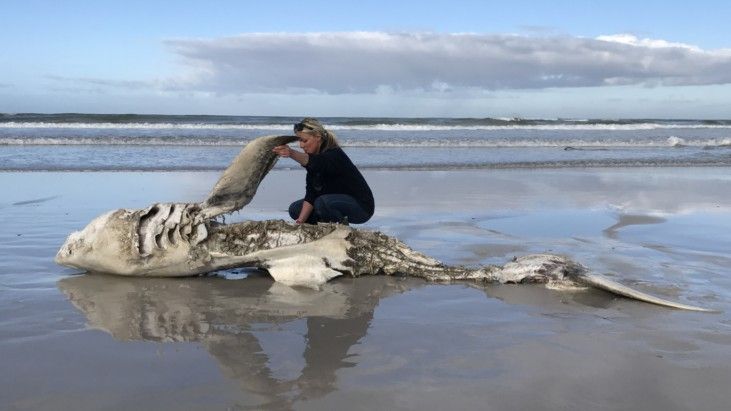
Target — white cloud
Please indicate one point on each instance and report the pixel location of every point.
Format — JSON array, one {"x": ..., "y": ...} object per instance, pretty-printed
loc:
[
  {"x": 374, "y": 62},
  {"x": 632, "y": 40}
]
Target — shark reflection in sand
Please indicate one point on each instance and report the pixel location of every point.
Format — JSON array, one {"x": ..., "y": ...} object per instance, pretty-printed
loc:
[
  {"x": 184, "y": 239},
  {"x": 227, "y": 318}
]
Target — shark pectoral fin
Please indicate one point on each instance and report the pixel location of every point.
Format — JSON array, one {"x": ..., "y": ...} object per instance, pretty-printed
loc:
[
  {"x": 614, "y": 287},
  {"x": 310, "y": 264},
  {"x": 291, "y": 269},
  {"x": 302, "y": 270}
]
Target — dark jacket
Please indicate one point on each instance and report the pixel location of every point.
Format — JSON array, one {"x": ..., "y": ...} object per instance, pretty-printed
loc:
[{"x": 332, "y": 172}]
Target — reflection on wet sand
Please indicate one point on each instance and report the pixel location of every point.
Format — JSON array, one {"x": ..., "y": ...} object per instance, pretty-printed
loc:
[
  {"x": 228, "y": 317},
  {"x": 254, "y": 327},
  {"x": 628, "y": 220}
]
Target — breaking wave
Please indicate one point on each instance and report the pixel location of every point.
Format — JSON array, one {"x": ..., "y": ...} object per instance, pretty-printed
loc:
[
  {"x": 282, "y": 127},
  {"x": 382, "y": 141}
]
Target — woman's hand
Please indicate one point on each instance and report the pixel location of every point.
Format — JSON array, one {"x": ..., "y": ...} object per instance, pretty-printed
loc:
[
  {"x": 283, "y": 150},
  {"x": 286, "y": 151},
  {"x": 304, "y": 213}
]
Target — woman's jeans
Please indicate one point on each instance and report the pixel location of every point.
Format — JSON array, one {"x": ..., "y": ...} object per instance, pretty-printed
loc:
[{"x": 332, "y": 208}]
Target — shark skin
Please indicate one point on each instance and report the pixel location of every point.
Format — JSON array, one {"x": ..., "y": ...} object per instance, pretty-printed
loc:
[{"x": 184, "y": 239}]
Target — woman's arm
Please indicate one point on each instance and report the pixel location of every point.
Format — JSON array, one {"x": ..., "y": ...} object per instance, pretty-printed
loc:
[
  {"x": 305, "y": 213},
  {"x": 298, "y": 156}
]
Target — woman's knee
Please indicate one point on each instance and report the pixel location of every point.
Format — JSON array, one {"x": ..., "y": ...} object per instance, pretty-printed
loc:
[
  {"x": 320, "y": 203},
  {"x": 324, "y": 210},
  {"x": 340, "y": 208}
]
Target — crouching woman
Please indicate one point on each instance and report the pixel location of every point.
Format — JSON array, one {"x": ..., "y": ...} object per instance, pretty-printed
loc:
[{"x": 335, "y": 190}]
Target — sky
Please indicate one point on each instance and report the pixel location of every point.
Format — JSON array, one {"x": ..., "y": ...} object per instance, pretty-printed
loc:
[{"x": 557, "y": 59}]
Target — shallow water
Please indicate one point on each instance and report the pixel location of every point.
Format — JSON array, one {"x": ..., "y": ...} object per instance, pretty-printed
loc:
[{"x": 96, "y": 342}]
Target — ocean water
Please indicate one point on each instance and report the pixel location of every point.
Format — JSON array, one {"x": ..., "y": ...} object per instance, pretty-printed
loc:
[{"x": 55, "y": 142}]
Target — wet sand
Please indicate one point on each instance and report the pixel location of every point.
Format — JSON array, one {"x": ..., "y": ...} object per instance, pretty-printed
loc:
[{"x": 240, "y": 341}]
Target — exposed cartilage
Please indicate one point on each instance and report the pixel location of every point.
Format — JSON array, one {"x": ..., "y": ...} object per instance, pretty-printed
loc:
[
  {"x": 199, "y": 234},
  {"x": 170, "y": 234},
  {"x": 183, "y": 227},
  {"x": 165, "y": 224},
  {"x": 186, "y": 227},
  {"x": 152, "y": 224}
]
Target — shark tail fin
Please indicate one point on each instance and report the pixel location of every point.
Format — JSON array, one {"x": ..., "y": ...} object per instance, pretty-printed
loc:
[{"x": 601, "y": 282}]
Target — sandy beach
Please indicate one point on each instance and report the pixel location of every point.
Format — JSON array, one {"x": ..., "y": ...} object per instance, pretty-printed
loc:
[{"x": 240, "y": 341}]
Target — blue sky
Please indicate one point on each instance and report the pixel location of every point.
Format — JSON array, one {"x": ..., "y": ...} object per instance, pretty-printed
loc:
[{"x": 666, "y": 59}]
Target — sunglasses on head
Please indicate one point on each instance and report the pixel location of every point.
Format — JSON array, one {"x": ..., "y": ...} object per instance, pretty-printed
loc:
[{"x": 301, "y": 126}]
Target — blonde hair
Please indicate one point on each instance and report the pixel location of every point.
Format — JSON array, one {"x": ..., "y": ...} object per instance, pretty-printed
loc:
[{"x": 312, "y": 125}]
